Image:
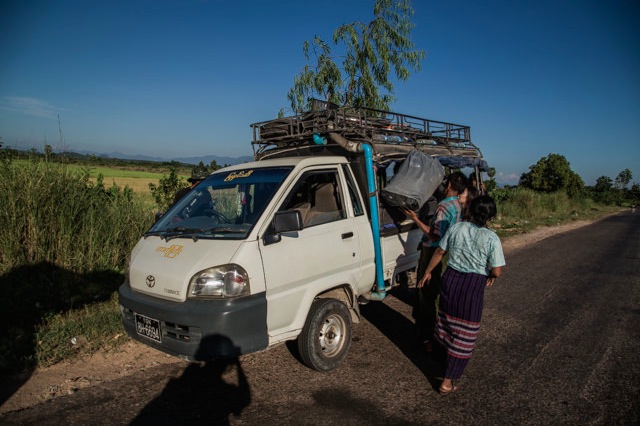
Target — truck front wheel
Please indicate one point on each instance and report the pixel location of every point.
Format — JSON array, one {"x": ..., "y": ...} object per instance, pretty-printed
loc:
[{"x": 326, "y": 336}]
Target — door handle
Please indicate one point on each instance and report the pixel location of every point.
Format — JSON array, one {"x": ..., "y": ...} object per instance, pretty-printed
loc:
[{"x": 347, "y": 235}]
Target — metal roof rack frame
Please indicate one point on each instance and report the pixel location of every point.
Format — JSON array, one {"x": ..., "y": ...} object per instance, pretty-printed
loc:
[{"x": 391, "y": 135}]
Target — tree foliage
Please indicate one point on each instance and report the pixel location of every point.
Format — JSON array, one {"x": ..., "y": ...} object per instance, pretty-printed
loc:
[
  {"x": 608, "y": 191},
  {"x": 373, "y": 53},
  {"x": 623, "y": 178},
  {"x": 634, "y": 194},
  {"x": 164, "y": 193},
  {"x": 200, "y": 170},
  {"x": 490, "y": 185},
  {"x": 603, "y": 184},
  {"x": 552, "y": 173}
]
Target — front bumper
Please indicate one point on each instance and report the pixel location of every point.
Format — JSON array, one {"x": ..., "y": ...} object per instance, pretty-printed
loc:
[{"x": 200, "y": 330}]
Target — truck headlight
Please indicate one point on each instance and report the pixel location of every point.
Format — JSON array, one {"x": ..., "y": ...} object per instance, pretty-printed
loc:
[{"x": 219, "y": 282}]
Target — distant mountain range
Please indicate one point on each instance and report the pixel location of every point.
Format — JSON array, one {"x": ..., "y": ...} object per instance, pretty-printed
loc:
[{"x": 206, "y": 159}]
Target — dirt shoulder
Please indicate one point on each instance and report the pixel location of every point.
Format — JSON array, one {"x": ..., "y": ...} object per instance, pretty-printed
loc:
[
  {"x": 521, "y": 240},
  {"x": 67, "y": 377}
]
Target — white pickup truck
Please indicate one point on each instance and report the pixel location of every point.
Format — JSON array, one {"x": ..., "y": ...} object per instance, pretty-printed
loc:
[{"x": 284, "y": 247}]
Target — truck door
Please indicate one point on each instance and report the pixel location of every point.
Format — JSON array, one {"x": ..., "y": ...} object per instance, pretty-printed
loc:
[{"x": 324, "y": 254}]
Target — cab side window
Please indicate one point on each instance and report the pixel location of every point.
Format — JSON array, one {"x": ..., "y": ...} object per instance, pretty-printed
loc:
[
  {"x": 353, "y": 193},
  {"x": 318, "y": 198}
]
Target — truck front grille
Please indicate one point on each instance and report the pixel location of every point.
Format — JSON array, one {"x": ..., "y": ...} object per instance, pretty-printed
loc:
[{"x": 177, "y": 331}]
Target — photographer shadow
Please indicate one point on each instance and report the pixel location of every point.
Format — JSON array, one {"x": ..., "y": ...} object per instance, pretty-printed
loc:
[{"x": 207, "y": 392}]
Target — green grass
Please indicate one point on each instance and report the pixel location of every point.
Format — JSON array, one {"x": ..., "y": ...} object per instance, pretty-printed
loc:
[
  {"x": 79, "y": 332},
  {"x": 521, "y": 210}
]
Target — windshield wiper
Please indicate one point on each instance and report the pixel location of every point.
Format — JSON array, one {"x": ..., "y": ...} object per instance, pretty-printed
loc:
[
  {"x": 181, "y": 231},
  {"x": 222, "y": 230},
  {"x": 152, "y": 233}
]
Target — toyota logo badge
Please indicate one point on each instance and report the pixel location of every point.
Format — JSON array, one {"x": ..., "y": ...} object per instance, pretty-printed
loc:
[{"x": 151, "y": 281}]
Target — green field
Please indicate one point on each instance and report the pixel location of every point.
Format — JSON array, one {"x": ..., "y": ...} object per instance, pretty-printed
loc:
[
  {"x": 139, "y": 185},
  {"x": 110, "y": 172},
  {"x": 135, "y": 177},
  {"x": 137, "y": 180}
]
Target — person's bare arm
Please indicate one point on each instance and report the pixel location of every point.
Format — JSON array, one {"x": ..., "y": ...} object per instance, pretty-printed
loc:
[
  {"x": 428, "y": 231},
  {"x": 414, "y": 216},
  {"x": 493, "y": 274},
  {"x": 435, "y": 259}
]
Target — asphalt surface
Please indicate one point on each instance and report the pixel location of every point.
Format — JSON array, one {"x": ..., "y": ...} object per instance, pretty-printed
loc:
[{"x": 559, "y": 344}]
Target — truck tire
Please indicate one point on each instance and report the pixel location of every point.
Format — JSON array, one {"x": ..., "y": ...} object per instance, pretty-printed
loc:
[{"x": 326, "y": 336}]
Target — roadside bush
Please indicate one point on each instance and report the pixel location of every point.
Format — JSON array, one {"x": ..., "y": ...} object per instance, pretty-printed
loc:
[
  {"x": 518, "y": 203},
  {"x": 521, "y": 209},
  {"x": 57, "y": 216},
  {"x": 556, "y": 202},
  {"x": 65, "y": 243},
  {"x": 164, "y": 193}
]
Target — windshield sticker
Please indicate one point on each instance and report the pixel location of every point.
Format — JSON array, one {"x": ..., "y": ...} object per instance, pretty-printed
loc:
[
  {"x": 172, "y": 251},
  {"x": 236, "y": 175}
]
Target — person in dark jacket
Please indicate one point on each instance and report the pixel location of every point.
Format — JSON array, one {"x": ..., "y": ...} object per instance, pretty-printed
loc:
[{"x": 193, "y": 181}]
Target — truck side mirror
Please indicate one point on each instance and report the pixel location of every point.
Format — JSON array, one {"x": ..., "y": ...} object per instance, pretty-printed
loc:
[
  {"x": 284, "y": 221},
  {"x": 287, "y": 221}
]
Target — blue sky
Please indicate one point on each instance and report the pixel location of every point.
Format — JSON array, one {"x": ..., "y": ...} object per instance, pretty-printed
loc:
[{"x": 180, "y": 78}]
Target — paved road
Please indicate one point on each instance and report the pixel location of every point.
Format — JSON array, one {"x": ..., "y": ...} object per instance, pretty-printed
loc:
[{"x": 560, "y": 344}]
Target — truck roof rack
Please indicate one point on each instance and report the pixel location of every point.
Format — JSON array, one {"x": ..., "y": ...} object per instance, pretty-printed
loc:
[{"x": 391, "y": 135}]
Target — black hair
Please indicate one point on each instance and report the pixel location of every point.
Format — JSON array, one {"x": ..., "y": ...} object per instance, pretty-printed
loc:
[
  {"x": 458, "y": 182},
  {"x": 472, "y": 193},
  {"x": 482, "y": 210}
]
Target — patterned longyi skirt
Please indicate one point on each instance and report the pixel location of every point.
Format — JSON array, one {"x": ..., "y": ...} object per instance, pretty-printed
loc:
[{"x": 459, "y": 313}]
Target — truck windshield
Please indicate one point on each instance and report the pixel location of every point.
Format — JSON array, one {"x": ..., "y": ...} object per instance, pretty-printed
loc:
[{"x": 225, "y": 205}]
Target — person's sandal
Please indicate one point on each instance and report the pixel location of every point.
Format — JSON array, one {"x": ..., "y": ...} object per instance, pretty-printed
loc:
[{"x": 447, "y": 391}]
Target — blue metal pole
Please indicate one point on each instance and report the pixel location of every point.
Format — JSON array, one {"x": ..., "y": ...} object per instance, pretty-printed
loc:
[{"x": 380, "y": 292}]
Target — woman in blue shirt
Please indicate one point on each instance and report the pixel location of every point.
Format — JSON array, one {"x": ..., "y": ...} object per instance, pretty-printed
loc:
[{"x": 475, "y": 261}]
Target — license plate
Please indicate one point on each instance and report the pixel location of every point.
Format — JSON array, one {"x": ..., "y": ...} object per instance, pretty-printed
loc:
[{"x": 148, "y": 327}]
